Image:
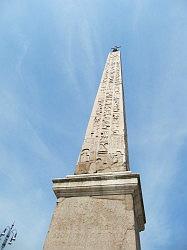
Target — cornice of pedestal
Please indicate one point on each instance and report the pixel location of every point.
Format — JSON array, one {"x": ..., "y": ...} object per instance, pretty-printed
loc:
[{"x": 102, "y": 184}]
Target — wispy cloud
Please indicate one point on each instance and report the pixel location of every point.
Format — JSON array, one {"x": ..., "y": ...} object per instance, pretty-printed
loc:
[{"x": 51, "y": 54}]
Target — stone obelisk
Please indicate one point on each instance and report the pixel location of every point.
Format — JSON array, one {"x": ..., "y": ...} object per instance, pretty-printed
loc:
[{"x": 101, "y": 206}]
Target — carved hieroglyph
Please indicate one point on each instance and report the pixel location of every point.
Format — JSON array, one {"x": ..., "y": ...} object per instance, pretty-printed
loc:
[
  {"x": 105, "y": 145},
  {"x": 101, "y": 206}
]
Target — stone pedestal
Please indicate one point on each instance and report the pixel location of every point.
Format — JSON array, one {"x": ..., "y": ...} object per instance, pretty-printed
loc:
[{"x": 97, "y": 212}]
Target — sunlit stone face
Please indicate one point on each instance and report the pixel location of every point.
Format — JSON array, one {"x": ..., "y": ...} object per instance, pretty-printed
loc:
[{"x": 105, "y": 145}]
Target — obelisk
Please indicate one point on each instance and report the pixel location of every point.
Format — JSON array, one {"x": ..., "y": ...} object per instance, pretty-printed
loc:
[{"x": 101, "y": 206}]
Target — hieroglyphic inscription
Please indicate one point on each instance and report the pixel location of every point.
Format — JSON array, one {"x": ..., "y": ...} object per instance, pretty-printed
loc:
[{"x": 104, "y": 145}]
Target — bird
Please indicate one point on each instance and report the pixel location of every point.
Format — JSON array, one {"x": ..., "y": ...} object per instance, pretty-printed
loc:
[{"x": 115, "y": 48}]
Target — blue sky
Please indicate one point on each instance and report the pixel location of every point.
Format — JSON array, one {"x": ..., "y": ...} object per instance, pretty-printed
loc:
[{"x": 52, "y": 54}]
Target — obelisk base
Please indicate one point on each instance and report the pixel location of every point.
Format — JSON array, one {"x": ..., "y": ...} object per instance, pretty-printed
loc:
[{"x": 97, "y": 212}]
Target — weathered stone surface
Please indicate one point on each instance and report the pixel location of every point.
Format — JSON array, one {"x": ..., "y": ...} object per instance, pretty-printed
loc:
[
  {"x": 105, "y": 145},
  {"x": 104, "y": 185},
  {"x": 101, "y": 206},
  {"x": 93, "y": 223},
  {"x": 97, "y": 211}
]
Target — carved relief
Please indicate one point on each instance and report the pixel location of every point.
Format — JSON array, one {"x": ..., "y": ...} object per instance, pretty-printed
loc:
[
  {"x": 85, "y": 157},
  {"x": 104, "y": 147}
]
